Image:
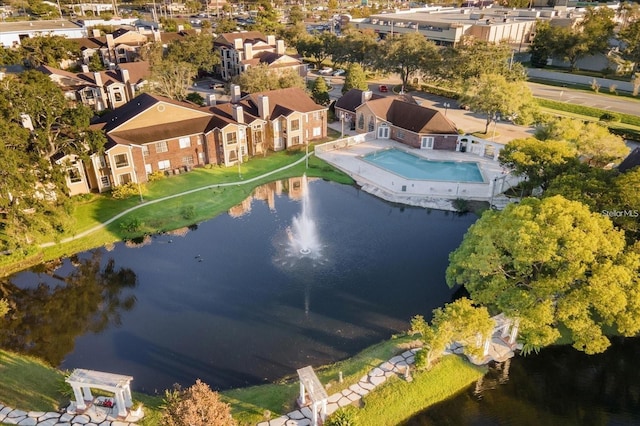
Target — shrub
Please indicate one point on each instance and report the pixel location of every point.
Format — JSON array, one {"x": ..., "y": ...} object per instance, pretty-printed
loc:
[
  {"x": 125, "y": 191},
  {"x": 195, "y": 406},
  {"x": 344, "y": 417},
  {"x": 131, "y": 225},
  {"x": 157, "y": 175},
  {"x": 461, "y": 205},
  {"x": 188, "y": 212},
  {"x": 610, "y": 116}
]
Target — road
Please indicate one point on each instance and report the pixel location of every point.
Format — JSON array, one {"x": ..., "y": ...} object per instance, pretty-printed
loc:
[{"x": 595, "y": 100}]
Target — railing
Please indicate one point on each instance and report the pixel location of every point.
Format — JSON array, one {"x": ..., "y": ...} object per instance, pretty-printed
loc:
[{"x": 344, "y": 142}]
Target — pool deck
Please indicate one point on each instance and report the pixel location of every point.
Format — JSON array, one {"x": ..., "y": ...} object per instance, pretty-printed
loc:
[{"x": 429, "y": 194}]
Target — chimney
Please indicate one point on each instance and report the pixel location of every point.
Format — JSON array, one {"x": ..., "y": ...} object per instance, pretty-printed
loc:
[
  {"x": 263, "y": 106},
  {"x": 85, "y": 67},
  {"x": 280, "y": 47},
  {"x": 248, "y": 51},
  {"x": 110, "y": 43},
  {"x": 271, "y": 40},
  {"x": 211, "y": 100},
  {"x": 98, "y": 78},
  {"x": 125, "y": 76},
  {"x": 180, "y": 28},
  {"x": 237, "y": 43},
  {"x": 96, "y": 32},
  {"x": 366, "y": 96},
  {"x": 238, "y": 113},
  {"x": 156, "y": 36},
  {"x": 235, "y": 93}
]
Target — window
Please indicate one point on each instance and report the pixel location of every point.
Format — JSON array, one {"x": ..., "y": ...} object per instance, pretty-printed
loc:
[
  {"x": 317, "y": 131},
  {"x": 161, "y": 147},
  {"x": 185, "y": 142},
  {"x": 231, "y": 137},
  {"x": 295, "y": 140},
  {"x": 188, "y": 160},
  {"x": 361, "y": 122},
  {"x": 372, "y": 123},
  {"x": 74, "y": 175},
  {"x": 257, "y": 137},
  {"x": 276, "y": 126},
  {"x": 317, "y": 115},
  {"x": 124, "y": 179},
  {"x": 102, "y": 161},
  {"x": 121, "y": 160},
  {"x": 164, "y": 164},
  {"x": 105, "y": 181},
  {"x": 427, "y": 142},
  {"x": 400, "y": 134},
  {"x": 145, "y": 151},
  {"x": 117, "y": 96},
  {"x": 295, "y": 125}
]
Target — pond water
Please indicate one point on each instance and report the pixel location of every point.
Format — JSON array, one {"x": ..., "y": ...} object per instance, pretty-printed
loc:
[
  {"x": 227, "y": 302},
  {"x": 559, "y": 386}
]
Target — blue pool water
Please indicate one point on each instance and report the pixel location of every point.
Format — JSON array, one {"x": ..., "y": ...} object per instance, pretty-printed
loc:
[{"x": 413, "y": 167}]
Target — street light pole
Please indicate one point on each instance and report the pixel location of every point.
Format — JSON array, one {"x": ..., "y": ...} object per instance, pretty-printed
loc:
[
  {"x": 306, "y": 157},
  {"x": 446, "y": 107},
  {"x": 341, "y": 124}
]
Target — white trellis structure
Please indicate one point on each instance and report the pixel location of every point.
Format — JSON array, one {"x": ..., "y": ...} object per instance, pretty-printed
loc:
[
  {"x": 507, "y": 329},
  {"x": 310, "y": 386},
  {"x": 82, "y": 381}
]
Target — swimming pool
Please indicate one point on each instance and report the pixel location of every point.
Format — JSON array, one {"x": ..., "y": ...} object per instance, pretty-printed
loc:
[{"x": 411, "y": 166}]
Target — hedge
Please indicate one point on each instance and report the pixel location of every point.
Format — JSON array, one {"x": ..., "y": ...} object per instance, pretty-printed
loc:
[{"x": 633, "y": 120}]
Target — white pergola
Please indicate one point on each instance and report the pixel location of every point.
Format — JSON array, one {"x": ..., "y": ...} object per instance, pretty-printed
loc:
[
  {"x": 310, "y": 386},
  {"x": 82, "y": 381}
]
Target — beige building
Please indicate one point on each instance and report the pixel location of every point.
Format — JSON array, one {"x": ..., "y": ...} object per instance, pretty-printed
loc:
[
  {"x": 241, "y": 50},
  {"x": 447, "y": 26}
]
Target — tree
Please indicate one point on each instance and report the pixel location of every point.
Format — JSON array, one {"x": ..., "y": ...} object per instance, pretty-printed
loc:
[
  {"x": 597, "y": 28},
  {"x": 594, "y": 142},
  {"x": 95, "y": 63},
  {"x": 57, "y": 123},
  {"x": 48, "y": 50},
  {"x": 543, "y": 45},
  {"x": 196, "y": 50},
  {"x": 472, "y": 58},
  {"x": 226, "y": 25},
  {"x": 172, "y": 79},
  {"x": 320, "y": 92},
  {"x": 554, "y": 265},
  {"x": 267, "y": 20},
  {"x": 196, "y": 98},
  {"x": 459, "y": 321},
  {"x": 260, "y": 78},
  {"x": 356, "y": 47},
  {"x": 318, "y": 48},
  {"x": 408, "y": 54},
  {"x": 196, "y": 406},
  {"x": 539, "y": 161},
  {"x": 630, "y": 36},
  {"x": 355, "y": 79},
  {"x": 492, "y": 94},
  {"x": 4, "y": 307},
  {"x": 296, "y": 14}
]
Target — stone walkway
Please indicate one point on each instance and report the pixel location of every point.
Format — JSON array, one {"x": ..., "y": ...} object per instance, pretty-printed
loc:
[
  {"x": 396, "y": 366},
  {"x": 95, "y": 416}
]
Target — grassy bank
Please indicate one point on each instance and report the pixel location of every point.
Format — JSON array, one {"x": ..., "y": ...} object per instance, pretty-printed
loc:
[
  {"x": 175, "y": 213},
  {"x": 30, "y": 384},
  {"x": 398, "y": 400}
]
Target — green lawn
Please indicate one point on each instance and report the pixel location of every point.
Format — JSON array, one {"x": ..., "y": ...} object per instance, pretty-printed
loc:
[
  {"x": 202, "y": 204},
  {"x": 397, "y": 400}
]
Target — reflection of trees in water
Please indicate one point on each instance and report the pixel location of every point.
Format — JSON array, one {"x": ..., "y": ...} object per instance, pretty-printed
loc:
[
  {"x": 559, "y": 386},
  {"x": 44, "y": 321}
]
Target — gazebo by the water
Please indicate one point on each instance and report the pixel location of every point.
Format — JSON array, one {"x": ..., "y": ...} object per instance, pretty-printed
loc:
[
  {"x": 310, "y": 386},
  {"x": 82, "y": 381}
]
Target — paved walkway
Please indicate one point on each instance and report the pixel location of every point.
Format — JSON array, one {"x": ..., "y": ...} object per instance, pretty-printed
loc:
[
  {"x": 396, "y": 366},
  {"x": 95, "y": 416}
]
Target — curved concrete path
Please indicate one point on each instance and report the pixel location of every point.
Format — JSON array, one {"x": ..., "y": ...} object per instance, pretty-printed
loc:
[{"x": 159, "y": 200}]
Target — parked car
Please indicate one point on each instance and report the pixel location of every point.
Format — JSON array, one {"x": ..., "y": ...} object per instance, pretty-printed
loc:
[
  {"x": 383, "y": 88},
  {"x": 325, "y": 71},
  {"x": 338, "y": 73}
]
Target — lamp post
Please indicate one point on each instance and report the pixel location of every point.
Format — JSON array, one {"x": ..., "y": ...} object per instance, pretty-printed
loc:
[
  {"x": 341, "y": 124},
  {"x": 306, "y": 156},
  {"x": 446, "y": 105}
]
